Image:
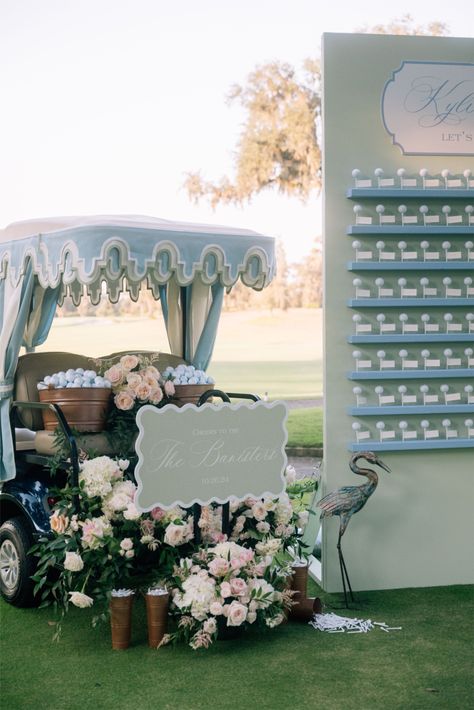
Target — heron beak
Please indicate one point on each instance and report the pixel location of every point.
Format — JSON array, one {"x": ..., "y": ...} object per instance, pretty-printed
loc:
[{"x": 383, "y": 465}]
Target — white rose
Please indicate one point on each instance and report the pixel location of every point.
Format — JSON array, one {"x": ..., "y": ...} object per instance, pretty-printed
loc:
[
  {"x": 175, "y": 535},
  {"x": 131, "y": 512},
  {"x": 126, "y": 544},
  {"x": 129, "y": 554},
  {"x": 263, "y": 527},
  {"x": 81, "y": 600},
  {"x": 259, "y": 511},
  {"x": 251, "y": 617},
  {"x": 290, "y": 475},
  {"x": 73, "y": 562},
  {"x": 237, "y": 614}
]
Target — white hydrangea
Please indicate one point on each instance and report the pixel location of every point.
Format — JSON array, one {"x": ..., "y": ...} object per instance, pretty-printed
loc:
[
  {"x": 98, "y": 475},
  {"x": 198, "y": 594}
]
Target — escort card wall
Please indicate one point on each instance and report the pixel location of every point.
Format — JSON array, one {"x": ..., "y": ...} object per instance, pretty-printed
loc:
[{"x": 398, "y": 126}]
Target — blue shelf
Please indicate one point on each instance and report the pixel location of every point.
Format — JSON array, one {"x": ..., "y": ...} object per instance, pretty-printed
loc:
[
  {"x": 410, "y": 266},
  {"x": 412, "y": 445},
  {"x": 407, "y": 192},
  {"x": 391, "y": 229},
  {"x": 413, "y": 338},
  {"x": 411, "y": 374},
  {"x": 408, "y": 302},
  {"x": 408, "y": 409}
]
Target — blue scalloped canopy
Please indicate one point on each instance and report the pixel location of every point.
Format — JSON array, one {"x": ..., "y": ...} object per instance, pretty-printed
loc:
[{"x": 124, "y": 251}]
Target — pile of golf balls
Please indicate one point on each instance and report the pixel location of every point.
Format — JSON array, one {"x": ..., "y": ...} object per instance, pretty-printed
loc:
[
  {"x": 187, "y": 375},
  {"x": 73, "y": 378}
]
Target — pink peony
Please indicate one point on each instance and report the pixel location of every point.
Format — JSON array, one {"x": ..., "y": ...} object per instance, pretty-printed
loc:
[{"x": 216, "y": 608}]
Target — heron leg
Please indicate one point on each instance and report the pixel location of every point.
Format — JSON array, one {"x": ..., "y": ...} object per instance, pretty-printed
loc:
[{"x": 344, "y": 574}]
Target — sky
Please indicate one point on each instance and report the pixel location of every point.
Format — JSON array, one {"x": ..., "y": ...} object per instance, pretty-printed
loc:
[{"x": 107, "y": 104}]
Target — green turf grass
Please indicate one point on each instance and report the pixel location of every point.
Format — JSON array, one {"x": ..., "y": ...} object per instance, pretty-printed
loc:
[
  {"x": 305, "y": 427},
  {"x": 280, "y": 380},
  {"x": 426, "y": 665}
]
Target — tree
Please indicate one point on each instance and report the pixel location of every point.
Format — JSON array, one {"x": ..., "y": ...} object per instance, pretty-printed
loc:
[
  {"x": 278, "y": 147},
  {"x": 405, "y": 25},
  {"x": 307, "y": 280}
]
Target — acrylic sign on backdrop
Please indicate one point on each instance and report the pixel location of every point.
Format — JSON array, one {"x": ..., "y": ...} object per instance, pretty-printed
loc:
[
  {"x": 215, "y": 453},
  {"x": 428, "y": 108}
]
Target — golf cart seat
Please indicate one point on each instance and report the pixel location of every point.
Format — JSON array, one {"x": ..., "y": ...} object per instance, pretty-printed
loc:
[{"x": 30, "y": 433}]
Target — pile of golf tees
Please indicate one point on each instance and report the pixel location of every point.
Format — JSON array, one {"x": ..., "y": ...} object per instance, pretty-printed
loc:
[{"x": 334, "y": 624}]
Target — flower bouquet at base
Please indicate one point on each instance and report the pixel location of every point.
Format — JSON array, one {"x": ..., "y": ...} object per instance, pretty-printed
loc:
[
  {"x": 226, "y": 586},
  {"x": 107, "y": 544}
]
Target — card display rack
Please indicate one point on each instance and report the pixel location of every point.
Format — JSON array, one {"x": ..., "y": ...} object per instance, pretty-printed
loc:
[{"x": 413, "y": 311}]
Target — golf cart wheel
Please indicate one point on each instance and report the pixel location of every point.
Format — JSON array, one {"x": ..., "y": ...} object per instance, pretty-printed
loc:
[{"x": 16, "y": 566}]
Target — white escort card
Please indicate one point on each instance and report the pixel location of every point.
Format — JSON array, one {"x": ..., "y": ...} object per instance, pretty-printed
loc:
[
  {"x": 431, "y": 328},
  {"x": 451, "y": 255},
  {"x": 387, "y": 255},
  {"x": 432, "y": 362},
  {"x": 409, "y": 399},
  {"x": 388, "y": 327}
]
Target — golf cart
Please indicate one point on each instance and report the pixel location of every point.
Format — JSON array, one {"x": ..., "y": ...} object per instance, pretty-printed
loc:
[{"x": 187, "y": 268}]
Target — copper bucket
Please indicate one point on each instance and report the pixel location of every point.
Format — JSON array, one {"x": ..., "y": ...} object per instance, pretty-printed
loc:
[
  {"x": 306, "y": 609},
  {"x": 189, "y": 394},
  {"x": 299, "y": 581},
  {"x": 85, "y": 408},
  {"x": 121, "y": 621},
  {"x": 157, "y": 617}
]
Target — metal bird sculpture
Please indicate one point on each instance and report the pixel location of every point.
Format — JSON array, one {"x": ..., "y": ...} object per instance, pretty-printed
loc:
[{"x": 348, "y": 500}]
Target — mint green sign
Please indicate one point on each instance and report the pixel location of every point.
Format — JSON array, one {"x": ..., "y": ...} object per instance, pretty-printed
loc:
[{"x": 215, "y": 453}]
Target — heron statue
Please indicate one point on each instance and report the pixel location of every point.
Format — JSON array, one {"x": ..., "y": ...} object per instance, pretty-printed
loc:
[{"x": 348, "y": 500}]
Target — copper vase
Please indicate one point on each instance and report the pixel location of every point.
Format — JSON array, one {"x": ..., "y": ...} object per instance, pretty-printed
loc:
[
  {"x": 157, "y": 617},
  {"x": 299, "y": 582},
  {"x": 121, "y": 621}
]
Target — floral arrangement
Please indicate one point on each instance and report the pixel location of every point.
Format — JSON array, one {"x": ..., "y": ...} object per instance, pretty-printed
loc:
[
  {"x": 135, "y": 382},
  {"x": 227, "y": 585},
  {"x": 225, "y": 581},
  {"x": 73, "y": 378},
  {"x": 108, "y": 544}
]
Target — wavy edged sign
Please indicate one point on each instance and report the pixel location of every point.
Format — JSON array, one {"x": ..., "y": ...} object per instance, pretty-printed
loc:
[
  {"x": 428, "y": 108},
  {"x": 215, "y": 453}
]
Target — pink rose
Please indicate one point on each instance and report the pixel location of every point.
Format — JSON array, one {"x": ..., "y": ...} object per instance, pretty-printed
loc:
[
  {"x": 238, "y": 586},
  {"x": 133, "y": 380},
  {"x": 115, "y": 375},
  {"x": 124, "y": 400},
  {"x": 259, "y": 511},
  {"x": 158, "y": 513},
  {"x": 237, "y": 614},
  {"x": 58, "y": 523},
  {"x": 151, "y": 371},
  {"x": 169, "y": 388},
  {"x": 226, "y": 590},
  {"x": 128, "y": 362},
  {"x": 156, "y": 395},
  {"x": 219, "y": 567},
  {"x": 143, "y": 391}
]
